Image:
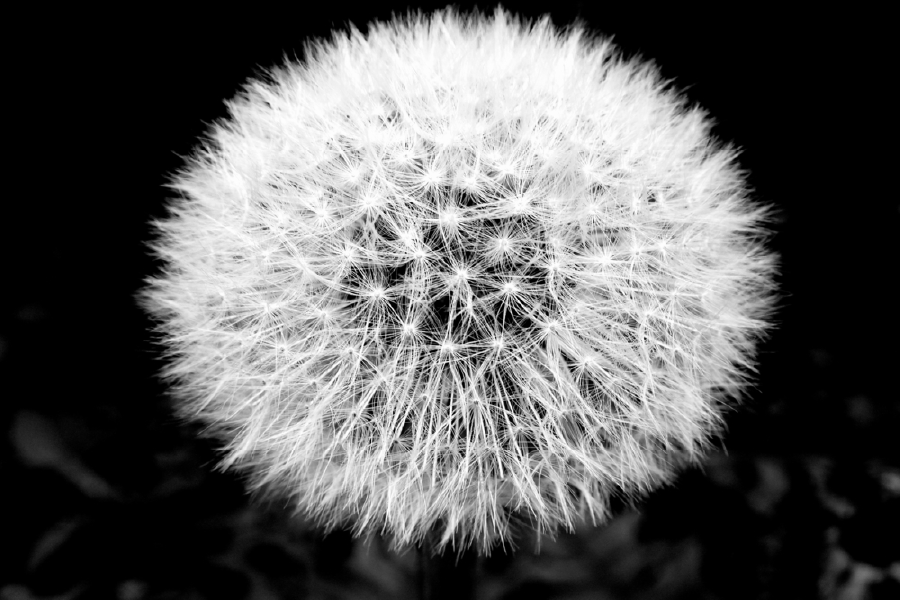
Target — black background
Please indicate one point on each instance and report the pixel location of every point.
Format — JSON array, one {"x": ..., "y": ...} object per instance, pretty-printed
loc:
[{"x": 102, "y": 105}]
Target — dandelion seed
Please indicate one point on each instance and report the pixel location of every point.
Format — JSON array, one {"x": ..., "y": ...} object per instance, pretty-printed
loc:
[
  {"x": 519, "y": 205},
  {"x": 449, "y": 218},
  {"x": 432, "y": 178},
  {"x": 449, "y": 347},
  {"x": 498, "y": 342},
  {"x": 471, "y": 182},
  {"x": 377, "y": 293},
  {"x": 354, "y": 174},
  {"x": 510, "y": 288},
  {"x": 420, "y": 254},
  {"x": 409, "y": 329}
]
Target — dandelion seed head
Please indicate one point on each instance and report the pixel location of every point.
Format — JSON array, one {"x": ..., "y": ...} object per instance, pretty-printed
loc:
[
  {"x": 449, "y": 347},
  {"x": 520, "y": 204},
  {"x": 471, "y": 182},
  {"x": 510, "y": 288},
  {"x": 377, "y": 293},
  {"x": 409, "y": 329},
  {"x": 449, "y": 217},
  {"x": 370, "y": 201},
  {"x": 432, "y": 177},
  {"x": 440, "y": 254}
]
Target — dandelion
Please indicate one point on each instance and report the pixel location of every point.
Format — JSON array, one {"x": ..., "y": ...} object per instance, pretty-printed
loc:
[{"x": 459, "y": 275}]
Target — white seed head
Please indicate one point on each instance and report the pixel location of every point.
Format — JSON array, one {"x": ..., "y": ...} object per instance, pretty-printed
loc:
[{"x": 459, "y": 273}]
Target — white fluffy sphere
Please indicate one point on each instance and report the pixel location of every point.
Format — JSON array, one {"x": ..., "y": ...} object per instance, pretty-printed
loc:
[{"x": 460, "y": 272}]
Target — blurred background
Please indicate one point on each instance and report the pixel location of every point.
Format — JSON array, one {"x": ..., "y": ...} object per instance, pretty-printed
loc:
[{"x": 105, "y": 495}]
